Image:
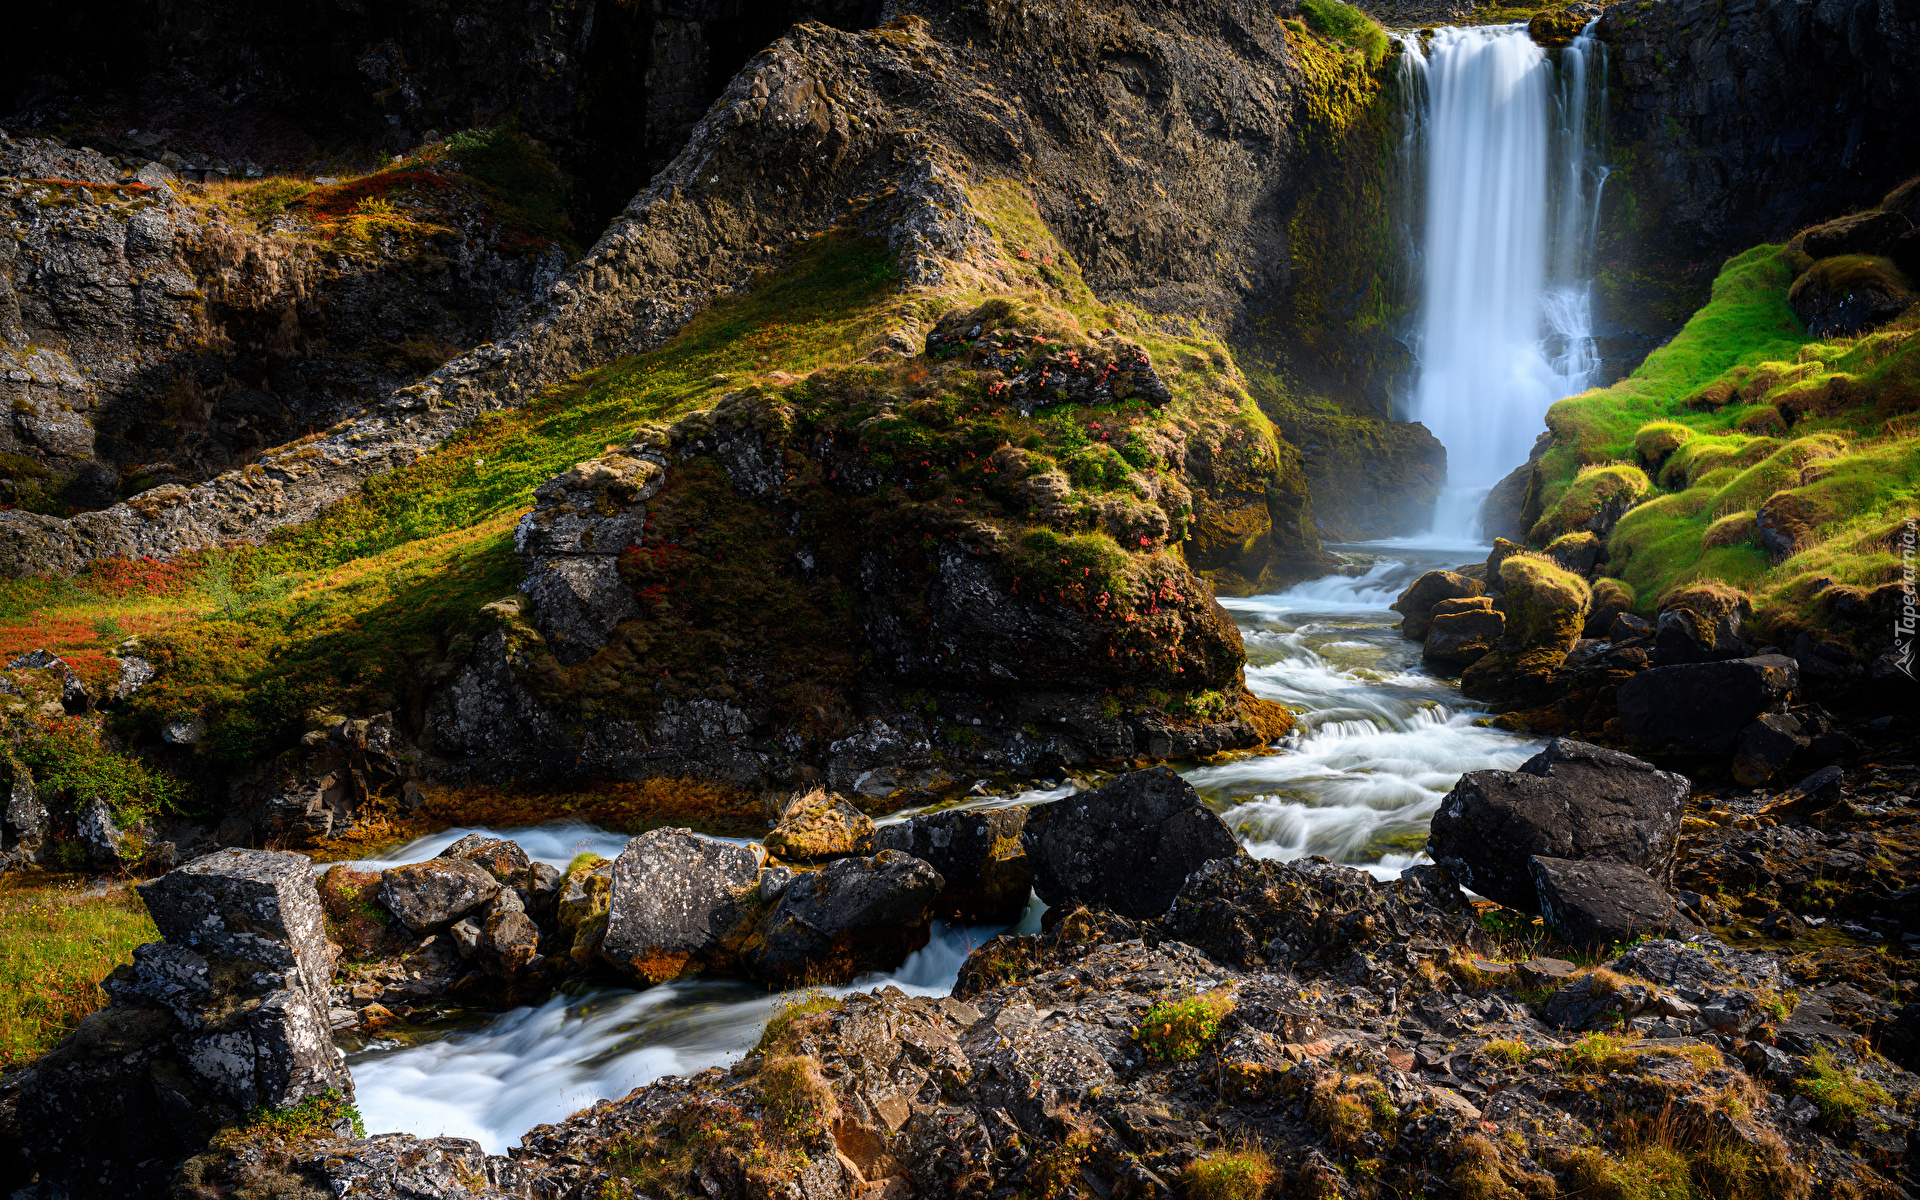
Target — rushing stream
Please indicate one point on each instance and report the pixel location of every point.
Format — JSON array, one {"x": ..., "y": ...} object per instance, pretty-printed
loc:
[{"x": 1380, "y": 742}]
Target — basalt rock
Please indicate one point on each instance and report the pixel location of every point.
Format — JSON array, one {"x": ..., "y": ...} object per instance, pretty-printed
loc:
[
  {"x": 317, "y": 790},
  {"x": 987, "y": 876},
  {"x": 433, "y": 894},
  {"x": 1570, "y": 801},
  {"x": 1704, "y": 706},
  {"x": 677, "y": 903},
  {"x": 850, "y": 916},
  {"x": 1128, "y": 846},
  {"x": 1593, "y": 905},
  {"x": 227, "y": 1016}
]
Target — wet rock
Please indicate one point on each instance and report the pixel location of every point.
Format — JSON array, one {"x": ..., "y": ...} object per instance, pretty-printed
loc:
[
  {"x": 1417, "y": 603},
  {"x": 433, "y": 894},
  {"x": 1569, "y": 801},
  {"x": 980, "y": 856},
  {"x": 1461, "y": 631},
  {"x": 1704, "y": 706},
  {"x": 815, "y": 826},
  {"x": 503, "y": 859},
  {"x": 850, "y": 916},
  {"x": 1128, "y": 846},
  {"x": 227, "y": 1016},
  {"x": 1766, "y": 747},
  {"x": 1594, "y": 905},
  {"x": 677, "y": 903}
]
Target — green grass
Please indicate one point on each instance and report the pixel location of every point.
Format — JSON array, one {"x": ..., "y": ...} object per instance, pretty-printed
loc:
[
  {"x": 1348, "y": 25},
  {"x": 1840, "y": 1093},
  {"x": 57, "y": 942},
  {"x": 1175, "y": 1030}
]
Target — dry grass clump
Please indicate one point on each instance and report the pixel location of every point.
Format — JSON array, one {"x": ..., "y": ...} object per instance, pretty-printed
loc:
[
  {"x": 796, "y": 1094},
  {"x": 1174, "y": 1030},
  {"x": 1243, "y": 1173},
  {"x": 1351, "y": 1107},
  {"x": 1482, "y": 1172}
]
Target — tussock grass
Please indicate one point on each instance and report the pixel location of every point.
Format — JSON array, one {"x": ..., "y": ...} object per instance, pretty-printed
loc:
[{"x": 1174, "y": 1030}]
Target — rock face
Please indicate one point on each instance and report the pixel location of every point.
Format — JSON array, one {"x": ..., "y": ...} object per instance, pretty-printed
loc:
[
  {"x": 677, "y": 903},
  {"x": 1128, "y": 846},
  {"x": 316, "y": 790},
  {"x": 1704, "y": 706},
  {"x": 228, "y": 1015},
  {"x": 1570, "y": 801},
  {"x": 1732, "y": 114},
  {"x": 980, "y": 856},
  {"x": 1599, "y": 904},
  {"x": 430, "y": 895},
  {"x": 850, "y": 916}
]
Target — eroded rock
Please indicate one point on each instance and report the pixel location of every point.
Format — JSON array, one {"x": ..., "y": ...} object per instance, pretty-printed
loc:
[
  {"x": 850, "y": 916},
  {"x": 981, "y": 858}
]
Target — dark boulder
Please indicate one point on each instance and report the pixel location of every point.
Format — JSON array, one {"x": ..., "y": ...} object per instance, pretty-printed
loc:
[
  {"x": 1682, "y": 635},
  {"x": 1860, "y": 233},
  {"x": 1766, "y": 747},
  {"x": 979, "y": 854},
  {"x": 678, "y": 903},
  {"x": 1571, "y": 801},
  {"x": 1416, "y": 604},
  {"x": 1704, "y": 706},
  {"x": 434, "y": 894},
  {"x": 1598, "y": 904},
  {"x": 852, "y": 915},
  {"x": 1128, "y": 846},
  {"x": 1462, "y": 630},
  {"x": 1849, "y": 295}
]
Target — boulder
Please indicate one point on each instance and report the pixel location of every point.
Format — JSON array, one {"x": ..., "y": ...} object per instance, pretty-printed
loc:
[
  {"x": 1683, "y": 635},
  {"x": 226, "y": 1017},
  {"x": 1462, "y": 631},
  {"x": 979, "y": 854},
  {"x": 538, "y": 886},
  {"x": 815, "y": 826},
  {"x": 1598, "y": 904},
  {"x": 580, "y": 910},
  {"x": 1849, "y": 295},
  {"x": 1860, "y": 233},
  {"x": 852, "y": 915},
  {"x": 1416, "y": 604},
  {"x": 1570, "y": 801},
  {"x": 107, "y": 844},
  {"x": 509, "y": 940},
  {"x": 434, "y": 894},
  {"x": 502, "y": 859},
  {"x": 24, "y": 822},
  {"x": 1766, "y": 747},
  {"x": 1128, "y": 846},
  {"x": 1704, "y": 706},
  {"x": 678, "y": 903}
]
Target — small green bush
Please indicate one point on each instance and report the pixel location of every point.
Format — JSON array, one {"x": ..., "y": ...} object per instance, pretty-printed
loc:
[
  {"x": 1175, "y": 1030},
  {"x": 1839, "y": 1093}
]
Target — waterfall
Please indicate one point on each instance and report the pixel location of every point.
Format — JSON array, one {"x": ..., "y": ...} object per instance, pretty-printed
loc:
[{"x": 1508, "y": 179}]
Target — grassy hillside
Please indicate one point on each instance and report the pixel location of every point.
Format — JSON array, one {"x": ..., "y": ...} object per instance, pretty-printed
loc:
[{"x": 1754, "y": 456}]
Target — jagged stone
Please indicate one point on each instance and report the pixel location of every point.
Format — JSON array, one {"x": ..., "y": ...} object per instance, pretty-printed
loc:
[
  {"x": 850, "y": 916},
  {"x": 503, "y": 859},
  {"x": 1594, "y": 905},
  {"x": 430, "y": 895},
  {"x": 1128, "y": 846},
  {"x": 1569, "y": 801},
  {"x": 980, "y": 855},
  {"x": 677, "y": 903},
  {"x": 1704, "y": 706}
]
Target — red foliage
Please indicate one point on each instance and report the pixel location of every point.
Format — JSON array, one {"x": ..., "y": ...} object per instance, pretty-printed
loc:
[{"x": 117, "y": 577}]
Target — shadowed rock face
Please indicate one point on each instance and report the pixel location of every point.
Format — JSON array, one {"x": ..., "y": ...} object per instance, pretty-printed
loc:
[{"x": 1570, "y": 801}]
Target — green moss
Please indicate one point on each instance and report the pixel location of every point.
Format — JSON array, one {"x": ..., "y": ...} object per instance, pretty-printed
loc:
[
  {"x": 1546, "y": 604},
  {"x": 1655, "y": 441},
  {"x": 1349, "y": 26},
  {"x": 1595, "y": 490}
]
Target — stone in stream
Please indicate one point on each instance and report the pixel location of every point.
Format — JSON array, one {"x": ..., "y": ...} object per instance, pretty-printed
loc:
[
  {"x": 432, "y": 895},
  {"x": 1704, "y": 706},
  {"x": 815, "y": 826},
  {"x": 1417, "y": 603},
  {"x": 980, "y": 855},
  {"x": 502, "y": 859},
  {"x": 678, "y": 903},
  {"x": 1462, "y": 630},
  {"x": 852, "y": 915},
  {"x": 1128, "y": 846},
  {"x": 226, "y": 1016},
  {"x": 1571, "y": 801},
  {"x": 1593, "y": 905}
]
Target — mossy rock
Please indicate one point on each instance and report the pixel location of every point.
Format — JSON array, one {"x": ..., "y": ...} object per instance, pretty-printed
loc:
[
  {"x": 1655, "y": 442},
  {"x": 1610, "y": 598},
  {"x": 1764, "y": 421},
  {"x": 1546, "y": 604},
  {"x": 1732, "y": 530},
  {"x": 1555, "y": 27},
  {"x": 1596, "y": 500}
]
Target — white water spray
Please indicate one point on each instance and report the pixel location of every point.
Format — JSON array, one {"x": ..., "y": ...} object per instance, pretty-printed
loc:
[{"x": 1500, "y": 134}]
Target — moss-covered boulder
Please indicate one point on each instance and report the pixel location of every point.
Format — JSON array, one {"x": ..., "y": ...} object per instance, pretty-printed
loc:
[
  {"x": 815, "y": 826},
  {"x": 1546, "y": 607},
  {"x": 1850, "y": 294},
  {"x": 1594, "y": 503}
]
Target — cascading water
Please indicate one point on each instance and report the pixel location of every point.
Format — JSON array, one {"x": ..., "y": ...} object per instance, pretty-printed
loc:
[{"x": 1509, "y": 180}]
